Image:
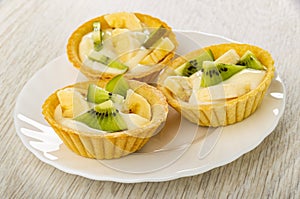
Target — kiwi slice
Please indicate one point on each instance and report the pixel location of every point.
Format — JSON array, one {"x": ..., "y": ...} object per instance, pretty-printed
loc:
[
  {"x": 97, "y": 36},
  {"x": 104, "y": 117},
  {"x": 89, "y": 118},
  {"x": 213, "y": 73},
  {"x": 110, "y": 119},
  {"x": 98, "y": 95},
  {"x": 194, "y": 65},
  {"x": 155, "y": 36},
  {"x": 118, "y": 85},
  {"x": 103, "y": 59},
  {"x": 250, "y": 61}
]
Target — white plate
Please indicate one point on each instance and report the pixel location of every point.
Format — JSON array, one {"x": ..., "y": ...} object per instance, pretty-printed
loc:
[{"x": 181, "y": 149}]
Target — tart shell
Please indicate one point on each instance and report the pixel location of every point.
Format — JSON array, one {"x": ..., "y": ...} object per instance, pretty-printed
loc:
[
  {"x": 109, "y": 145},
  {"x": 229, "y": 111},
  {"x": 149, "y": 76}
]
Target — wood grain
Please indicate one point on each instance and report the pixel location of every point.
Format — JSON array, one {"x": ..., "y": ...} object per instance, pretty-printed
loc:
[{"x": 34, "y": 32}]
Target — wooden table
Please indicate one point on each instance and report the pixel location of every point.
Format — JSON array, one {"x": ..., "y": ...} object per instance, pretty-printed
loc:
[{"x": 33, "y": 32}]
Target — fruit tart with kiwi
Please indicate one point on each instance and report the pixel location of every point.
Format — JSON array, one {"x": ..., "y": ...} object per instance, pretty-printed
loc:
[
  {"x": 106, "y": 120},
  {"x": 218, "y": 85},
  {"x": 133, "y": 44}
]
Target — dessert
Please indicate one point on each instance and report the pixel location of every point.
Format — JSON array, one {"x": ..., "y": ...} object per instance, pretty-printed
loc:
[
  {"x": 133, "y": 44},
  {"x": 96, "y": 123},
  {"x": 218, "y": 85}
]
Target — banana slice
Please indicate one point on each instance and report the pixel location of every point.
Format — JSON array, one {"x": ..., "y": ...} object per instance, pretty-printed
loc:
[
  {"x": 135, "y": 103},
  {"x": 125, "y": 43},
  {"x": 220, "y": 92},
  {"x": 161, "y": 50},
  {"x": 134, "y": 121},
  {"x": 123, "y": 20},
  {"x": 72, "y": 103},
  {"x": 180, "y": 86},
  {"x": 136, "y": 57},
  {"x": 230, "y": 57},
  {"x": 247, "y": 76}
]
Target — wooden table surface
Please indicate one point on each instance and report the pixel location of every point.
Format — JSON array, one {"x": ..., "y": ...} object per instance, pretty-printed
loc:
[{"x": 34, "y": 32}]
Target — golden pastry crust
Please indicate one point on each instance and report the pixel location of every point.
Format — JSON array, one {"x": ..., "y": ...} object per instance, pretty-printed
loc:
[
  {"x": 231, "y": 110},
  {"x": 109, "y": 145},
  {"x": 75, "y": 39}
]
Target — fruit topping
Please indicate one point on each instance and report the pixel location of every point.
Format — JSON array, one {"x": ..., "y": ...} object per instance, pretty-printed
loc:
[
  {"x": 103, "y": 59},
  {"x": 250, "y": 61},
  {"x": 180, "y": 86},
  {"x": 164, "y": 47},
  {"x": 72, "y": 102},
  {"x": 98, "y": 95},
  {"x": 135, "y": 103},
  {"x": 155, "y": 36},
  {"x": 123, "y": 20},
  {"x": 125, "y": 43},
  {"x": 104, "y": 117},
  {"x": 194, "y": 65},
  {"x": 118, "y": 85},
  {"x": 97, "y": 36},
  {"x": 230, "y": 57},
  {"x": 213, "y": 73}
]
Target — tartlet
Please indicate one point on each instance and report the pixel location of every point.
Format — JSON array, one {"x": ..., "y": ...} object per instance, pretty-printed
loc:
[
  {"x": 119, "y": 21},
  {"x": 228, "y": 111},
  {"x": 109, "y": 145}
]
